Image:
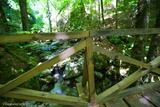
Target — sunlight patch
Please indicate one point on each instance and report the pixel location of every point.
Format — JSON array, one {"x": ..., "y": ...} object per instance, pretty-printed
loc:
[
  {"x": 67, "y": 53},
  {"x": 13, "y": 4},
  {"x": 144, "y": 101},
  {"x": 61, "y": 36},
  {"x": 123, "y": 71}
]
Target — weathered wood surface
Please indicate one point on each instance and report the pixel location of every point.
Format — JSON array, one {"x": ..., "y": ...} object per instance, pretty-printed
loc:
[
  {"x": 153, "y": 96},
  {"x": 81, "y": 92},
  {"x": 138, "y": 101},
  {"x": 116, "y": 103},
  {"x": 135, "y": 90},
  {"x": 157, "y": 89},
  {"x": 151, "y": 99},
  {"x": 125, "y": 82},
  {"x": 139, "y": 96},
  {"x": 5, "y": 38},
  {"x": 116, "y": 55},
  {"x": 31, "y": 73},
  {"x": 42, "y": 36},
  {"x": 124, "y": 32},
  {"x": 121, "y": 85},
  {"x": 85, "y": 74},
  {"x": 42, "y": 96},
  {"x": 27, "y": 94},
  {"x": 90, "y": 69}
]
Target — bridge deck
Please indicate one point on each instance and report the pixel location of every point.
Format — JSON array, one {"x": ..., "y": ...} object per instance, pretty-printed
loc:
[{"x": 150, "y": 98}]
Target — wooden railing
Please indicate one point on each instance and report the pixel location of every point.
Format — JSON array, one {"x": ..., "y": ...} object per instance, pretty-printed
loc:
[{"x": 10, "y": 89}]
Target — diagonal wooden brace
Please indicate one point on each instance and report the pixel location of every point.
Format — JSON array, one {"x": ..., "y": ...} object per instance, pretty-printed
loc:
[
  {"x": 127, "y": 59},
  {"x": 127, "y": 81},
  {"x": 31, "y": 73}
]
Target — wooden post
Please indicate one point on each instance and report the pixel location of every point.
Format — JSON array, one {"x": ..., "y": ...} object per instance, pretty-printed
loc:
[
  {"x": 85, "y": 74},
  {"x": 90, "y": 72},
  {"x": 81, "y": 91}
]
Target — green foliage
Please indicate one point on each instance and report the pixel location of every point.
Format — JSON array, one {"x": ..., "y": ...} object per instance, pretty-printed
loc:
[
  {"x": 75, "y": 24},
  {"x": 61, "y": 4},
  {"x": 35, "y": 20},
  {"x": 22, "y": 54},
  {"x": 127, "y": 12},
  {"x": 66, "y": 16},
  {"x": 10, "y": 16}
]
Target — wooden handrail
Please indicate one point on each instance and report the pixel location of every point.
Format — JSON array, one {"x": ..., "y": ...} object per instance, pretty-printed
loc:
[
  {"x": 28, "y": 94},
  {"x": 116, "y": 55},
  {"x": 9, "y": 38},
  {"x": 124, "y": 32},
  {"x": 89, "y": 73},
  {"x": 125, "y": 82},
  {"x": 31, "y": 73},
  {"x": 135, "y": 90}
]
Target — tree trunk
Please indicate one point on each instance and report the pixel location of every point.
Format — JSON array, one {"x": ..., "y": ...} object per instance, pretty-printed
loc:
[
  {"x": 141, "y": 17},
  {"x": 49, "y": 17},
  {"x": 99, "y": 12},
  {"x": 116, "y": 12},
  {"x": 102, "y": 12},
  {"x": 138, "y": 50},
  {"x": 3, "y": 19},
  {"x": 24, "y": 14},
  {"x": 154, "y": 47}
]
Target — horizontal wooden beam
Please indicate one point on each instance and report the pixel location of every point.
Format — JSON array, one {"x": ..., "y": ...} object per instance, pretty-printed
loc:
[
  {"x": 113, "y": 55},
  {"x": 125, "y": 82},
  {"x": 124, "y": 32},
  {"x": 135, "y": 90},
  {"x": 28, "y": 94},
  {"x": 7, "y": 38},
  {"x": 31, "y": 73}
]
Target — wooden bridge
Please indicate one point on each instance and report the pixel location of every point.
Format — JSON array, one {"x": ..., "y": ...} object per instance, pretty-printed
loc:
[{"x": 147, "y": 95}]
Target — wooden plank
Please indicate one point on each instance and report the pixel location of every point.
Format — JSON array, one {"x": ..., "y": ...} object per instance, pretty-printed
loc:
[
  {"x": 85, "y": 74},
  {"x": 28, "y": 94},
  {"x": 6, "y": 38},
  {"x": 124, "y": 32},
  {"x": 125, "y": 82},
  {"x": 156, "y": 71},
  {"x": 90, "y": 69},
  {"x": 80, "y": 90},
  {"x": 138, "y": 101},
  {"x": 157, "y": 89},
  {"x": 121, "y": 85},
  {"x": 135, "y": 90},
  {"x": 116, "y": 103},
  {"x": 127, "y": 59},
  {"x": 155, "y": 63},
  {"x": 153, "y": 96},
  {"x": 31, "y": 73},
  {"x": 113, "y": 55}
]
